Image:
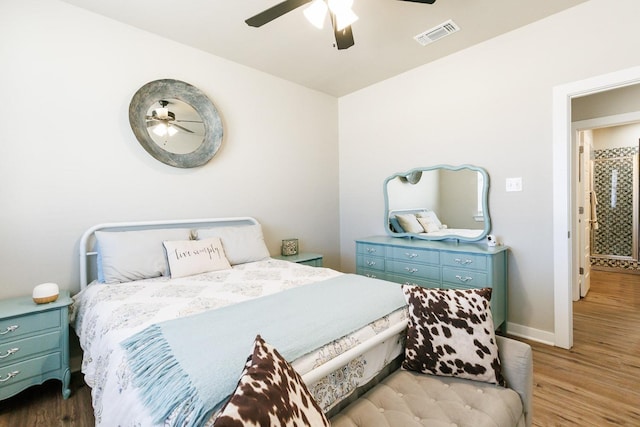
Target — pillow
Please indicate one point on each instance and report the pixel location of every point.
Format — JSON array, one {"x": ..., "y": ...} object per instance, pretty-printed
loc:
[
  {"x": 241, "y": 244},
  {"x": 450, "y": 333},
  {"x": 189, "y": 257},
  {"x": 428, "y": 225},
  {"x": 270, "y": 393},
  {"x": 409, "y": 223},
  {"x": 395, "y": 224},
  {"x": 124, "y": 256},
  {"x": 431, "y": 216}
]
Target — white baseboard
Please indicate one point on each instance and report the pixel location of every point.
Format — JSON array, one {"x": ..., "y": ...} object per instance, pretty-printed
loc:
[{"x": 544, "y": 337}]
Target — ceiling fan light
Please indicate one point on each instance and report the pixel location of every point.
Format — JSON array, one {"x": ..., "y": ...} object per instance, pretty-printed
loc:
[
  {"x": 338, "y": 6},
  {"x": 160, "y": 129},
  {"x": 345, "y": 18},
  {"x": 316, "y": 13}
]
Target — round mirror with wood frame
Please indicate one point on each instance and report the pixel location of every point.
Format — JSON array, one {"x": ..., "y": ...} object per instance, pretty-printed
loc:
[{"x": 176, "y": 123}]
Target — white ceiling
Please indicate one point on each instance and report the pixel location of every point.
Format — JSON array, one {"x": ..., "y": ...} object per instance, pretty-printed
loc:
[{"x": 293, "y": 49}]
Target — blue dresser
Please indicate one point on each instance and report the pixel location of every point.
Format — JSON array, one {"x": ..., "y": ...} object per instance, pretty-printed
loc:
[
  {"x": 438, "y": 264},
  {"x": 34, "y": 344}
]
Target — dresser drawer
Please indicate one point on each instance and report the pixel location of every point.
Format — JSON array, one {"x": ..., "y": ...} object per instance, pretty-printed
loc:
[
  {"x": 466, "y": 260},
  {"x": 20, "y": 349},
  {"x": 470, "y": 278},
  {"x": 370, "y": 262},
  {"x": 406, "y": 280},
  {"x": 423, "y": 256},
  {"x": 367, "y": 249},
  {"x": 15, "y": 327},
  {"x": 373, "y": 274},
  {"x": 420, "y": 271}
]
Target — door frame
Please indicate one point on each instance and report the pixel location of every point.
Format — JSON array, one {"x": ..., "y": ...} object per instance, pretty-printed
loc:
[{"x": 564, "y": 189}]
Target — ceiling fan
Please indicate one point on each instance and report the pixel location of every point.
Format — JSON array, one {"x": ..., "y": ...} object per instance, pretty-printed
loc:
[
  {"x": 163, "y": 122},
  {"x": 338, "y": 10}
]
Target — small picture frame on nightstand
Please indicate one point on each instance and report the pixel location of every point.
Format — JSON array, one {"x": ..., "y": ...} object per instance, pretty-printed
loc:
[{"x": 289, "y": 247}]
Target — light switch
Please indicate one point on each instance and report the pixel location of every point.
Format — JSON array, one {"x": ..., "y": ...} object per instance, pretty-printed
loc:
[{"x": 514, "y": 184}]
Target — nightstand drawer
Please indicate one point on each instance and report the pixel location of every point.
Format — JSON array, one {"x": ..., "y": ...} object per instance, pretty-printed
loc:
[
  {"x": 420, "y": 271},
  {"x": 473, "y": 261},
  {"x": 17, "y": 376},
  {"x": 19, "y": 349},
  {"x": 422, "y": 256},
  {"x": 15, "y": 327},
  {"x": 469, "y": 278}
]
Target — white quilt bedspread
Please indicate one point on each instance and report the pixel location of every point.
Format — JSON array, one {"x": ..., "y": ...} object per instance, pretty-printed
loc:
[{"x": 103, "y": 315}]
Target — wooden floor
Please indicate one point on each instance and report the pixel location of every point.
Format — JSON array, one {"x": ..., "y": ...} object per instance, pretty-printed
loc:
[
  {"x": 43, "y": 406},
  {"x": 596, "y": 383}
]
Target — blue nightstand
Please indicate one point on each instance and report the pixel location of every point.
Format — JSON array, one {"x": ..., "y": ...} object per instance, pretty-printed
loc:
[
  {"x": 306, "y": 258},
  {"x": 34, "y": 344}
]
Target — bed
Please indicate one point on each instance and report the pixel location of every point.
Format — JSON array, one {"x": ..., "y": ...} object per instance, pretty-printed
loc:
[{"x": 136, "y": 286}]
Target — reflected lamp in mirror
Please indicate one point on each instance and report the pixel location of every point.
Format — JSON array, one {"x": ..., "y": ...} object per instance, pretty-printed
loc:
[
  {"x": 176, "y": 123},
  {"x": 438, "y": 203}
]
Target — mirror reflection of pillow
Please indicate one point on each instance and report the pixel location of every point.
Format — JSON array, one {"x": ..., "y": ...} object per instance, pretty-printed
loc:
[
  {"x": 428, "y": 225},
  {"x": 409, "y": 223},
  {"x": 431, "y": 216}
]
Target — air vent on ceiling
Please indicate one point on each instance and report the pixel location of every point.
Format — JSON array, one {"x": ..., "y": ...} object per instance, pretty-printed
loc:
[{"x": 437, "y": 32}]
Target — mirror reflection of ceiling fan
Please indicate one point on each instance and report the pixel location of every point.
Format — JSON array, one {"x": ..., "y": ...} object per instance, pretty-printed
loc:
[
  {"x": 339, "y": 11},
  {"x": 163, "y": 122}
]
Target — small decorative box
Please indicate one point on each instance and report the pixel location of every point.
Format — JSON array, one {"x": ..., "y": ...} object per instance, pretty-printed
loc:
[{"x": 290, "y": 247}]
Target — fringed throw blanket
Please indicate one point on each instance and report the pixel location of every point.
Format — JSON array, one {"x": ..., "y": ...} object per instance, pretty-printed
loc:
[{"x": 187, "y": 367}]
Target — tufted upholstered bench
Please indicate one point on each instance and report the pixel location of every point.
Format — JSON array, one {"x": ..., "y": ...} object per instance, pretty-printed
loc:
[{"x": 408, "y": 399}]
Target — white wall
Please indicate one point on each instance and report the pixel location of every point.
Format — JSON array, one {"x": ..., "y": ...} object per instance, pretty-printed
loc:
[
  {"x": 69, "y": 160},
  {"x": 616, "y": 136},
  {"x": 491, "y": 106}
]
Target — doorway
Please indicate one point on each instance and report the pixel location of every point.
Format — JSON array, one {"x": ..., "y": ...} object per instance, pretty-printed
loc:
[
  {"x": 564, "y": 224},
  {"x": 607, "y": 196}
]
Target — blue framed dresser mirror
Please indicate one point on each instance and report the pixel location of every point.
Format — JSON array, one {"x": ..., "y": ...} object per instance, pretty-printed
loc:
[
  {"x": 438, "y": 203},
  {"x": 446, "y": 214}
]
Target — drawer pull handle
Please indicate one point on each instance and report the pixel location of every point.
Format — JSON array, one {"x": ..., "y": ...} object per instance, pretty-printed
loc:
[
  {"x": 371, "y": 250},
  {"x": 463, "y": 261},
  {"x": 9, "y": 352},
  {"x": 463, "y": 279},
  {"x": 9, "y": 329},
  {"x": 411, "y": 270},
  {"x": 9, "y": 376},
  {"x": 371, "y": 263},
  {"x": 411, "y": 255}
]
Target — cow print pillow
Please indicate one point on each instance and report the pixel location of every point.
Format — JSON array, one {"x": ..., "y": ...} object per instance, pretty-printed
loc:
[
  {"x": 270, "y": 393},
  {"x": 450, "y": 333}
]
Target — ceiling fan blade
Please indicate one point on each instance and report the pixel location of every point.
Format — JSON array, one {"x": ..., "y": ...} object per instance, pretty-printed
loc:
[
  {"x": 344, "y": 37},
  {"x": 274, "y": 12},
  {"x": 181, "y": 128},
  {"x": 421, "y": 1},
  {"x": 187, "y": 121}
]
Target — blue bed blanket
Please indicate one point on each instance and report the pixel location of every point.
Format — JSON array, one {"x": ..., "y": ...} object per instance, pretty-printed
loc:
[{"x": 189, "y": 366}]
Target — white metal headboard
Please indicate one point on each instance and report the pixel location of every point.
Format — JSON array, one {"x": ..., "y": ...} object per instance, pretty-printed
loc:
[{"x": 88, "y": 253}]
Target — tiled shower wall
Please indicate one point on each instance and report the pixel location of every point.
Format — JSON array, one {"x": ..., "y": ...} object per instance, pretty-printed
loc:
[{"x": 614, "y": 236}]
